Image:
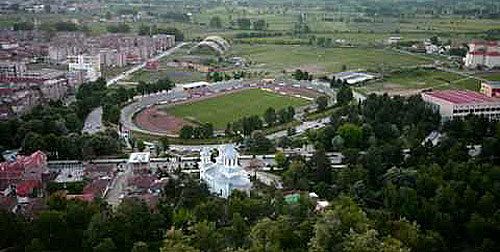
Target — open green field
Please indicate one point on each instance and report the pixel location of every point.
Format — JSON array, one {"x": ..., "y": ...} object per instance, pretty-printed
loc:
[
  {"x": 410, "y": 82},
  {"x": 278, "y": 58},
  {"x": 422, "y": 78},
  {"x": 491, "y": 76},
  {"x": 230, "y": 107},
  {"x": 176, "y": 75}
]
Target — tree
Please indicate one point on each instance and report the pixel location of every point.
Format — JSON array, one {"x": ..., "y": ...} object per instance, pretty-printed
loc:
[
  {"x": 244, "y": 23},
  {"x": 338, "y": 143},
  {"x": 321, "y": 167},
  {"x": 281, "y": 159},
  {"x": 237, "y": 232},
  {"x": 259, "y": 143},
  {"x": 140, "y": 145},
  {"x": 207, "y": 130},
  {"x": 296, "y": 176},
  {"x": 14, "y": 233},
  {"x": 216, "y": 22},
  {"x": 344, "y": 95},
  {"x": 140, "y": 247},
  {"x": 270, "y": 116},
  {"x": 369, "y": 242},
  {"x": 133, "y": 222},
  {"x": 50, "y": 227},
  {"x": 65, "y": 26},
  {"x": 33, "y": 142},
  {"x": 332, "y": 228},
  {"x": 35, "y": 245},
  {"x": 106, "y": 245},
  {"x": 23, "y": 26},
  {"x": 351, "y": 134},
  {"x": 164, "y": 143},
  {"x": 259, "y": 25},
  {"x": 322, "y": 103},
  {"x": 186, "y": 132},
  {"x": 301, "y": 75},
  {"x": 175, "y": 241},
  {"x": 118, "y": 28},
  {"x": 205, "y": 237},
  {"x": 111, "y": 113}
]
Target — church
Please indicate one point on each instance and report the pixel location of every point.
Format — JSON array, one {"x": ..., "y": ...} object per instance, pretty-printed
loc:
[{"x": 225, "y": 175}]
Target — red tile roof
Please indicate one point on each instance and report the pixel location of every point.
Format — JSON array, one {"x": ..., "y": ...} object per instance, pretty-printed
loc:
[
  {"x": 96, "y": 187},
  {"x": 25, "y": 188},
  {"x": 461, "y": 97},
  {"x": 37, "y": 160}
]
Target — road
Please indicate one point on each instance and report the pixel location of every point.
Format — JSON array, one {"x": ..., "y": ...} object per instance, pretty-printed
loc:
[
  {"x": 93, "y": 122},
  {"x": 118, "y": 186},
  {"x": 141, "y": 66},
  {"x": 303, "y": 127}
]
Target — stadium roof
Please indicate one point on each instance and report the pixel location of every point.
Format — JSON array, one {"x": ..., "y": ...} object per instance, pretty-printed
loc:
[
  {"x": 195, "y": 84},
  {"x": 461, "y": 97}
]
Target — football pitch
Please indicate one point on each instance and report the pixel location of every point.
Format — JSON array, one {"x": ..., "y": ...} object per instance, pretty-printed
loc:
[{"x": 227, "y": 108}]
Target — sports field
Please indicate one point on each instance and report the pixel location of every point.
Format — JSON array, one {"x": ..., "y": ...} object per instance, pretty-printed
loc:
[
  {"x": 176, "y": 75},
  {"x": 413, "y": 81},
  {"x": 323, "y": 60},
  {"x": 228, "y": 108}
]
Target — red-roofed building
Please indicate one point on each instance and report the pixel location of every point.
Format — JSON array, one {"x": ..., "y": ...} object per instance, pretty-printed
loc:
[
  {"x": 457, "y": 103},
  {"x": 97, "y": 188},
  {"x": 26, "y": 173},
  {"x": 27, "y": 188}
]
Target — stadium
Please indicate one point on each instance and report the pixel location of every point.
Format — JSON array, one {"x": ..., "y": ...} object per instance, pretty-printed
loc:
[{"x": 165, "y": 113}]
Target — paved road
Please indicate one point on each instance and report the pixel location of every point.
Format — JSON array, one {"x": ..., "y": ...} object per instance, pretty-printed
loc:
[
  {"x": 303, "y": 127},
  {"x": 141, "y": 66},
  {"x": 118, "y": 186},
  {"x": 93, "y": 122}
]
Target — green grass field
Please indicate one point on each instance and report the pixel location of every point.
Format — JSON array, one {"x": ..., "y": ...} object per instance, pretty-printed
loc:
[
  {"x": 416, "y": 80},
  {"x": 322, "y": 60},
  {"x": 176, "y": 75},
  {"x": 491, "y": 76},
  {"x": 422, "y": 78},
  {"x": 230, "y": 107}
]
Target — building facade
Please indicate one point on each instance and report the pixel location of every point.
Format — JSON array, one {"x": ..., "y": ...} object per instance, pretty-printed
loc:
[
  {"x": 24, "y": 174},
  {"x": 225, "y": 175},
  {"x": 89, "y": 65},
  {"x": 453, "y": 104},
  {"x": 18, "y": 95},
  {"x": 491, "y": 88},
  {"x": 12, "y": 69},
  {"x": 483, "y": 53}
]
